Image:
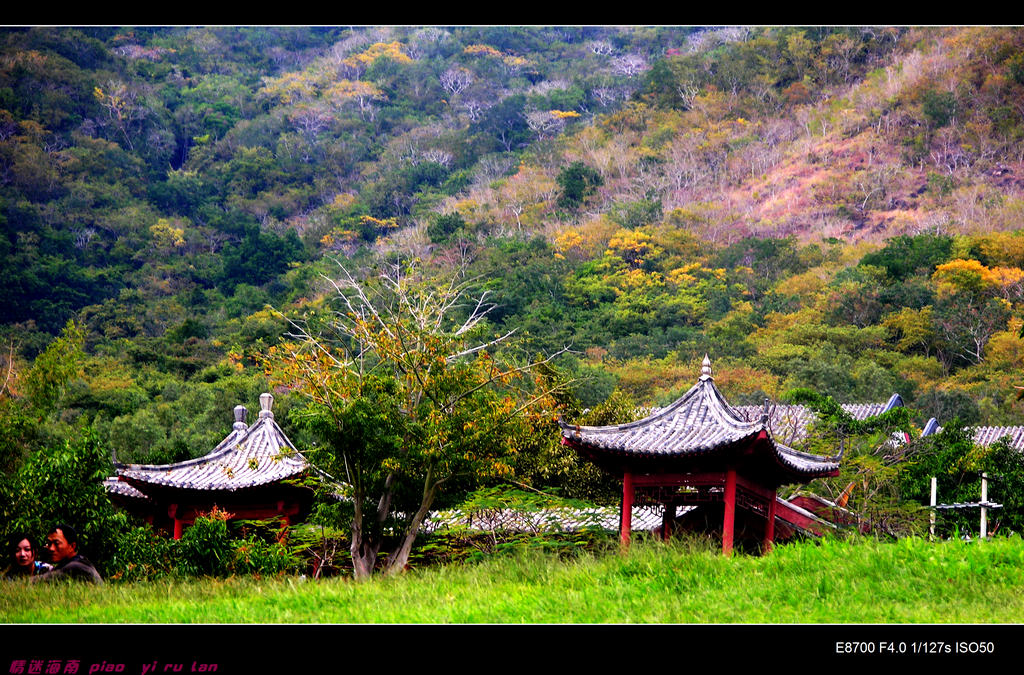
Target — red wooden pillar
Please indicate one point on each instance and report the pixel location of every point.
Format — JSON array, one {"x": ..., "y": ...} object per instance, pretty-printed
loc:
[
  {"x": 626, "y": 518},
  {"x": 172, "y": 512},
  {"x": 729, "y": 519},
  {"x": 769, "y": 527},
  {"x": 667, "y": 520}
]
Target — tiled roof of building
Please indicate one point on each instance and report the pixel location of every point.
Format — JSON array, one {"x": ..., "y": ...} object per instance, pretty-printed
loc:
[
  {"x": 698, "y": 423},
  {"x": 988, "y": 435},
  {"x": 250, "y": 456},
  {"x": 790, "y": 424},
  {"x": 985, "y": 436},
  {"x": 116, "y": 486}
]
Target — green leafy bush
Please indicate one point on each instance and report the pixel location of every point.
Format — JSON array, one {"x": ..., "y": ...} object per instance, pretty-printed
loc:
[
  {"x": 63, "y": 483},
  {"x": 141, "y": 554},
  {"x": 253, "y": 555},
  {"x": 577, "y": 181},
  {"x": 205, "y": 548}
]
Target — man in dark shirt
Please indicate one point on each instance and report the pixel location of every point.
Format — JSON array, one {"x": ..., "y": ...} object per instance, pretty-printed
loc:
[{"x": 68, "y": 563}]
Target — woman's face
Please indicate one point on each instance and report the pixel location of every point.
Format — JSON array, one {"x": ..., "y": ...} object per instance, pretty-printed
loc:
[{"x": 23, "y": 554}]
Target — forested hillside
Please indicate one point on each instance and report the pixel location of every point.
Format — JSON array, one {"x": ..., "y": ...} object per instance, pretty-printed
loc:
[{"x": 832, "y": 208}]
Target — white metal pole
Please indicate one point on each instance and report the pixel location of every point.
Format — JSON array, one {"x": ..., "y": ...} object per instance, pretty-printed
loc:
[
  {"x": 935, "y": 494},
  {"x": 984, "y": 511}
]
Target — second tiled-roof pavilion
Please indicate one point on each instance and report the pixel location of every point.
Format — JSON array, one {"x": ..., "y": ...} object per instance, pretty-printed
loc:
[
  {"x": 697, "y": 450},
  {"x": 249, "y": 474}
]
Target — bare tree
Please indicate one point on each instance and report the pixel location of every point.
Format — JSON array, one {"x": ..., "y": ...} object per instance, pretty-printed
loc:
[
  {"x": 455, "y": 80},
  {"x": 425, "y": 41},
  {"x": 119, "y": 101},
  {"x": 311, "y": 121},
  {"x": 9, "y": 375},
  {"x": 688, "y": 92},
  {"x": 442, "y": 157},
  {"x": 83, "y": 236},
  {"x": 629, "y": 65},
  {"x": 608, "y": 96},
  {"x": 474, "y": 107},
  {"x": 544, "y": 123}
]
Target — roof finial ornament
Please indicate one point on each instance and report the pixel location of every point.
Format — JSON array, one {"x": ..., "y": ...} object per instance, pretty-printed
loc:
[
  {"x": 240, "y": 414},
  {"x": 266, "y": 403},
  {"x": 705, "y": 368}
]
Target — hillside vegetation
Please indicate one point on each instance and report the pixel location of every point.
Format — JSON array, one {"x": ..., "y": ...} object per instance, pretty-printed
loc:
[{"x": 829, "y": 208}]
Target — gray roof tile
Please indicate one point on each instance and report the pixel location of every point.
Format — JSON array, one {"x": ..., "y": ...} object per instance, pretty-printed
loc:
[
  {"x": 985, "y": 436},
  {"x": 701, "y": 421},
  {"x": 248, "y": 457},
  {"x": 988, "y": 435},
  {"x": 790, "y": 424},
  {"x": 116, "y": 486}
]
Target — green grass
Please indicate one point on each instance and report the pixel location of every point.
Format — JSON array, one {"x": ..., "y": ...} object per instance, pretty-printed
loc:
[{"x": 910, "y": 581}]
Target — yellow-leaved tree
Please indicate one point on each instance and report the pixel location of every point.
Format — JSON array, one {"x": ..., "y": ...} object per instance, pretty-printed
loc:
[{"x": 974, "y": 302}]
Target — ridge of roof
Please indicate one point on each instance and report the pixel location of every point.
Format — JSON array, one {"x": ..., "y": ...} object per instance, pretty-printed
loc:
[
  {"x": 705, "y": 388},
  {"x": 241, "y": 451},
  {"x": 222, "y": 448}
]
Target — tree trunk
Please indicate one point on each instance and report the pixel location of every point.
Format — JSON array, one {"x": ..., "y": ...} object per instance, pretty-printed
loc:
[
  {"x": 364, "y": 550},
  {"x": 364, "y": 557},
  {"x": 365, "y": 545},
  {"x": 400, "y": 557}
]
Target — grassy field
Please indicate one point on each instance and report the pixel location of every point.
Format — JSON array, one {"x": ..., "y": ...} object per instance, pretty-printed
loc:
[{"x": 910, "y": 581}]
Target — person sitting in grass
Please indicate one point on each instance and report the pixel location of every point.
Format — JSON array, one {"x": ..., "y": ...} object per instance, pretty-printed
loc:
[
  {"x": 24, "y": 563},
  {"x": 68, "y": 563}
]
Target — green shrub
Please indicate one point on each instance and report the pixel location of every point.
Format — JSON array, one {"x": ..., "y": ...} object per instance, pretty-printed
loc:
[
  {"x": 577, "y": 182},
  {"x": 205, "y": 548},
  {"x": 255, "y": 556},
  {"x": 63, "y": 483},
  {"x": 142, "y": 554},
  {"x": 257, "y": 549}
]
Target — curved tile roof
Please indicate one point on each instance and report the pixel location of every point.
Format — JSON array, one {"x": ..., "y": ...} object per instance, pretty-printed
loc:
[
  {"x": 116, "y": 486},
  {"x": 989, "y": 435},
  {"x": 248, "y": 457},
  {"x": 985, "y": 436},
  {"x": 790, "y": 424},
  {"x": 698, "y": 423}
]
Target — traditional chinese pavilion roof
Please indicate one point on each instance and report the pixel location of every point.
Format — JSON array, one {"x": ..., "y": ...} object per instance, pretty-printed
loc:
[
  {"x": 250, "y": 456},
  {"x": 698, "y": 428},
  {"x": 988, "y": 435},
  {"x": 984, "y": 436},
  {"x": 122, "y": 490},
  {"x": 790, "y": 424}
]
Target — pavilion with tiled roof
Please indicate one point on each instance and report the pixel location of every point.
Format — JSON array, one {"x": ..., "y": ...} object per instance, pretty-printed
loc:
[
  {"x": 701, "y": 450},
  {"x": 251, "y": 474}
]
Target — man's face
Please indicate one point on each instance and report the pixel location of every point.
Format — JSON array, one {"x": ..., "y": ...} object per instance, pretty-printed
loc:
[{"x": 59, "y": 547}]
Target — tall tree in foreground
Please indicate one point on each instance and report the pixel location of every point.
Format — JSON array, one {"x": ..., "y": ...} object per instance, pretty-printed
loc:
[{"x": 404, "y": 389}]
